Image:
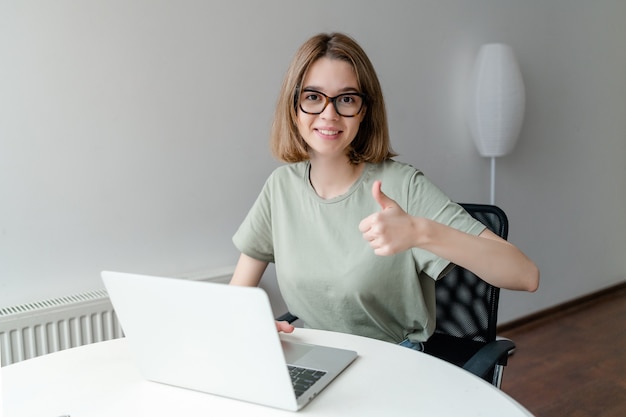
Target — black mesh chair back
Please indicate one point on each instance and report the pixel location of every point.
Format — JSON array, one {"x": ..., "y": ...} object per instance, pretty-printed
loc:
[{"x": 467, "y": 306}]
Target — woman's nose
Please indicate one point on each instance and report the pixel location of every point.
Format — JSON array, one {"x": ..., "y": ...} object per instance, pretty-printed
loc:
[{"x": 329, "y": 111}]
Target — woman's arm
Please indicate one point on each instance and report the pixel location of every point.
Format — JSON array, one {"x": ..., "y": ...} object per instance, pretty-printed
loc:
[
  {"x": 249, "y": 272},
  {"x": 492, "y": 258}
]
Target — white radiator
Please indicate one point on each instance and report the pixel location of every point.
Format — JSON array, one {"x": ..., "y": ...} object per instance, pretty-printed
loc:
[
  {"x": 31, "y": 330},
  {"x": 34, "y": 329}
]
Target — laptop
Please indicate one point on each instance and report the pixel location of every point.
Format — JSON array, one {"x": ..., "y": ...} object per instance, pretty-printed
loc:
[{"x": 219, "y": 339}]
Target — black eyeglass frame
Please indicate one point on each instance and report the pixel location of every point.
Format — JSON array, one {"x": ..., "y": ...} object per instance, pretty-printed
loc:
[{"x": 330, "y": 100}]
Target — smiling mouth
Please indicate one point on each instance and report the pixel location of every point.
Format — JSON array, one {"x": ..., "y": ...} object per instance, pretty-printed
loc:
[{"x": 328, "y": 132}]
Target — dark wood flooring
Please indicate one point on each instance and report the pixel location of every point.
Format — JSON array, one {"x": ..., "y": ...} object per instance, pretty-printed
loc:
[{"x": 572, "y": 361}]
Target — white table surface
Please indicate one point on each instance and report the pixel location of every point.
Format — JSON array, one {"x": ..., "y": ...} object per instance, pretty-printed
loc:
[{"x": 385, "y": 380}]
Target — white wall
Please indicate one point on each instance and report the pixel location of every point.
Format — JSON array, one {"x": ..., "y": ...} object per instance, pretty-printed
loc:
[{"x": 133, "y": 134}]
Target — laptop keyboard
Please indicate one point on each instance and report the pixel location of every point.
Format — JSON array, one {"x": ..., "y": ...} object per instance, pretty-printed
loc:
[{"x": 303, "y": 378}]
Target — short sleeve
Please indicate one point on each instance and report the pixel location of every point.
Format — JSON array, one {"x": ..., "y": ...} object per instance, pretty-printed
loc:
[
  {"x": 427, "y": 200},
  {"x": 254, "y": 236}
]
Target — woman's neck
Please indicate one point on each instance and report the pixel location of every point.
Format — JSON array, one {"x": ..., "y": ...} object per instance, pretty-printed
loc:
[{"x": 332, "y": 178}]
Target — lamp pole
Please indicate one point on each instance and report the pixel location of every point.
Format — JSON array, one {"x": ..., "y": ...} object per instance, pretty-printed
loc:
[{"x": 492, "y": 199}]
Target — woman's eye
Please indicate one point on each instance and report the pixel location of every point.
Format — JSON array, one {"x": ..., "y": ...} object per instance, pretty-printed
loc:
[{"x": 312, "y": 97}]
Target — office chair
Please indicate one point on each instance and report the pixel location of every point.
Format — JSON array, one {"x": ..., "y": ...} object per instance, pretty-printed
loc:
[{"x": 467, "y": 313}]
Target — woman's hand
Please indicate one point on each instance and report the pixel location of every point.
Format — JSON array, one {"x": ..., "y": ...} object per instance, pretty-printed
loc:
[
  {"x": 391, "y": 230},
  {"x": 284, "y": 326}
]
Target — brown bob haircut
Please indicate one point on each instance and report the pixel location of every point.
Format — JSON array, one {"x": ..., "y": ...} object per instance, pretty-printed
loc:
[{"x": 371, "y": 143}]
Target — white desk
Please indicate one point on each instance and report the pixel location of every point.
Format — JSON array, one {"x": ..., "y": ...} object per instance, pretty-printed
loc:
[{"x": 386, "y": 380}]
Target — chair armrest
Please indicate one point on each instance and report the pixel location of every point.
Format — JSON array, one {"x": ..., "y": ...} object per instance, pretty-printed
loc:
[
  {"x": 490, "y": 355},
  {"x": 288, "y": 317}
]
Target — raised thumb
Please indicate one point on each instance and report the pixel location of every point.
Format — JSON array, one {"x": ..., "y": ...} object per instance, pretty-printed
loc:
[{"x": 380, "y": 197}]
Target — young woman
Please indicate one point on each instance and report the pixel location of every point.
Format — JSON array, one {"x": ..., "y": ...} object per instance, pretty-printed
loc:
[{"x": 357, "y": 238}]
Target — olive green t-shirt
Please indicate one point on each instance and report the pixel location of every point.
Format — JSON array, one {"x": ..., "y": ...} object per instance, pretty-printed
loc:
[{"x": 328, "y": 274}]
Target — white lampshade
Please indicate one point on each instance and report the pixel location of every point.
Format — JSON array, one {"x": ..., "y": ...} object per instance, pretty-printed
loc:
[{"x": 496, "y": 100}]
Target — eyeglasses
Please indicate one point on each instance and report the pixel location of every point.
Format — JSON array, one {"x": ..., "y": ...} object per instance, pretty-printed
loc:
[{"x": 346, "y": 105}]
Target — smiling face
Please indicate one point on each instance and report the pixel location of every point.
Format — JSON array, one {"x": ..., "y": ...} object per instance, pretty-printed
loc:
[{"x": 329, "y": 134}]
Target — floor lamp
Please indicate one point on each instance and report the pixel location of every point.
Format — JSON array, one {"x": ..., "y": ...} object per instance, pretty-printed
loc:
[{"x": 496, "y": 104}]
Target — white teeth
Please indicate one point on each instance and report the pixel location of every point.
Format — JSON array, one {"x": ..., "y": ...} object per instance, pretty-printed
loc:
[{"x": 328, "y": 132}]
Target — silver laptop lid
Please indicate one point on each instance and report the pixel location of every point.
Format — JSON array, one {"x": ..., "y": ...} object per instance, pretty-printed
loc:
[{"x": 209, "y": 337}]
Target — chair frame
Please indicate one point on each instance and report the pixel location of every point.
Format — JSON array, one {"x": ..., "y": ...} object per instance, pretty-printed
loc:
[{"x": 491, "y": 352}]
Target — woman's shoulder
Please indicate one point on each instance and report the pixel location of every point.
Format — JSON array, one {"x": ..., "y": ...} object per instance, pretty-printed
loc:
[
  {"x": 398, "y": 178},
  {"x": 395, "y": 169},
  {"x": 289, "y": 172}
]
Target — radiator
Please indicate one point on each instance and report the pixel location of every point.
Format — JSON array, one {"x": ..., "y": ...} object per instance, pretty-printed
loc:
[{"x": 31, "y": 330}]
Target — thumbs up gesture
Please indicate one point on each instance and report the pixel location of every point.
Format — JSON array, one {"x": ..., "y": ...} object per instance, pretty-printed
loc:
[{"x": 391, "y": 230}]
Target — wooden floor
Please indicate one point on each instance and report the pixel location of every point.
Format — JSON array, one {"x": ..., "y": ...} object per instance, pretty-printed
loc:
[{"x": 572, "y": 362}]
